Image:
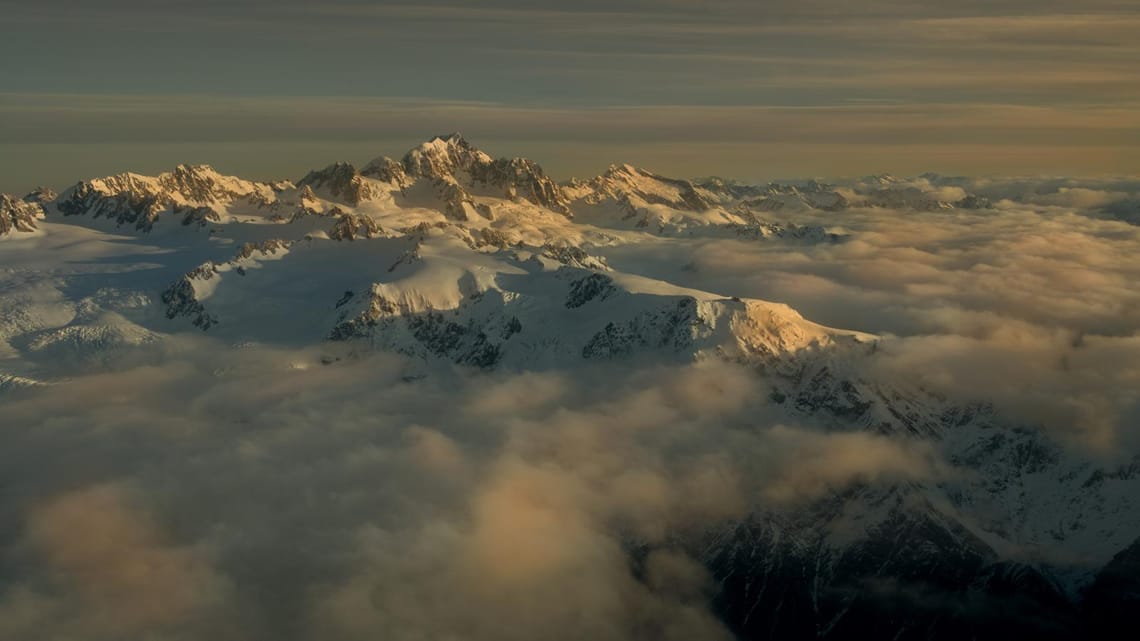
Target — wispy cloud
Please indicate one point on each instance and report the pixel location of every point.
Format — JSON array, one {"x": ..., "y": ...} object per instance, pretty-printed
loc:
[
  {"x": 745, "y": 141},
  {"x": 560, "y": 66}
]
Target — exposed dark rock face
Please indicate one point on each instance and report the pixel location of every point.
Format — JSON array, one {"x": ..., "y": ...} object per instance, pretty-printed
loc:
[
  {"x": 387, "y": 170},
  {"x": 522, "y": 178},
  {"x": 1112, "y": 602},
  {"x": 453, "y": 160},
  {"x": 456, "y": 201},
  {"x": 913, "y": 574},
  {"x": 40, "y": 196},
  {"x": 362, "y": 323},
  {"x": 573, "y": 256},
  {"x": 757, "y": 230},
  {"x": 127, "y": 206},
  {"x": 20, "y": 214},
  {"x": 592, "y": 287},
  {"x": 198, "y": 184},
  {"x": 200, "y": 216},
  {"x": 463, "y": 344},
  {"x": 974, "y": 201},
  {"x": 487, "y": 237},
  {"x": 352, "y": 226},
  {"x": 181, "y": 297},
  {"x": 342, "y": 182},
  {"x": 190, "y": 193},
  {"x": 434, "y": 333},
  {"x": 670, "y": 327},
  {"x": 265, "y": 247}
]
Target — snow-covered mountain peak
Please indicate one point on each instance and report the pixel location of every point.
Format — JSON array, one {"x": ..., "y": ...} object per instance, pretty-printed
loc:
[
  {"x": 41, "y": 196},
  {"x": 443, "y": 156},
  {"x": 185, "y": 184},
  {"x": 203, "y": 185},
  {"x": 196, "y": 193},
  {"x": 461, "y": 173},
  {"x": 624, "y": 169},
  {"x": 450, "y": 176},
  {"x": 635, "y": 187},
  {"x": 189, "y": 171}
]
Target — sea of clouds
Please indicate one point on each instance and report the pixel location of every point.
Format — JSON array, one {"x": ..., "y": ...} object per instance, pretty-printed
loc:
[
  {"x": 192, "y": 491},
  {"x": 1034, "y": 304},
  {"x": 258, "y": 494}
]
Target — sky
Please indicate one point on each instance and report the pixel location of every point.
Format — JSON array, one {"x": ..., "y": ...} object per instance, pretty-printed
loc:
[{"x": 752, "y": 90}]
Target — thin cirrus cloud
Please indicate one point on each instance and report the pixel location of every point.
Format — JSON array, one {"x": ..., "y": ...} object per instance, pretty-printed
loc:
[
  {"x": 63, "y": 138},
  {"x": 323, "y": 77}
]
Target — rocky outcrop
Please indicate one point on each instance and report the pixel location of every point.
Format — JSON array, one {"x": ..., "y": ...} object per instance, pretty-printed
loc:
[
  {"x": 573, "y": 256},
  {"x": 640, "y": 187},
  {"x": 341, "y": 181},
  {"x": 454, "y": 161},
  {"x": 202, "y": 185},
  {"x": 755, "y": 229},
  {"x": 671, "y": 328},
  {"x": 191, "y": 194},
  {"x": 122, "y": 199},
  {"x": 519, "y": 178},
  {"x": 349, "y": 226},
  {"x": 182, "y": 298},
  {"x": 907, "y": 571},
  {"x": 20, "y": 214},
  {"x": 387, "y": 170},
  {"x": 588, "y": 288}
]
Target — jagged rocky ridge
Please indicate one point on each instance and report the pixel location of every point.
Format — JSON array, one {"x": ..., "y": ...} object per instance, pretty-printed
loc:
[
  {"x": 194, "y": 195},
  {"x": 449, "y": 175},
  {"x": 22, "y": 214}
]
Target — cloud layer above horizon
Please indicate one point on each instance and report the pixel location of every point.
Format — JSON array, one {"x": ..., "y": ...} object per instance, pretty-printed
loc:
[{"x": 738, "y": 88}]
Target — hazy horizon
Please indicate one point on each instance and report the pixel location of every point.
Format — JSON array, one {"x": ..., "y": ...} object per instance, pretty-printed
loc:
[{"x": 821, "y": 88}]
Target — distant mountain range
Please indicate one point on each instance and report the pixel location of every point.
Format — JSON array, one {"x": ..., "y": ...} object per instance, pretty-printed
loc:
[{"x": 450, "y": 256}]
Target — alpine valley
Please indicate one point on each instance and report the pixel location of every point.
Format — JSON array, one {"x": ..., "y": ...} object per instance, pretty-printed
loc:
[{"x": 461, "y": 264}]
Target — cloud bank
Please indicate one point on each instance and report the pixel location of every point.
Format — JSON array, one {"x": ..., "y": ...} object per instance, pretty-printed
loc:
[
  {"x": 209, "y": 493},
  {"x": 976, "y": 87},
  {"x": 1033, "y": 305}
]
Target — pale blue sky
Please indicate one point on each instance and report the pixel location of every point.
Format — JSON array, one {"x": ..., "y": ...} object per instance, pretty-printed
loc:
[{"x": 748, "y": 89}]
